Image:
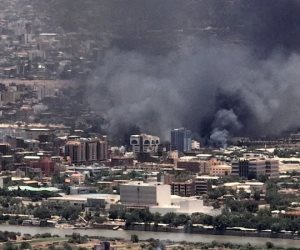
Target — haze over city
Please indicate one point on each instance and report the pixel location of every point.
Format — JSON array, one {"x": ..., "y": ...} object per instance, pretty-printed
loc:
[{"x": 138, "y": 124}]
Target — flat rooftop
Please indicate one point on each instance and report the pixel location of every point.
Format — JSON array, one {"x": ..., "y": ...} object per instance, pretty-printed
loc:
[
  {"x": 144, "y": 184},
  {"x": 84, "y": 197}
]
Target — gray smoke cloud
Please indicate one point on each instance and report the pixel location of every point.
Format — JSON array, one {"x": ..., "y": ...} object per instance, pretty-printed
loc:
[
  {"x": 194, "y": 80},
  {"x": 194, "y": 85},
  {"x": 225, "y": 121},
  {"x": 219, "y": 138}
]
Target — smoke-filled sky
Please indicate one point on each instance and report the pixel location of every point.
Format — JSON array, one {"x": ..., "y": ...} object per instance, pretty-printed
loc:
[
  {"x": 215, "y": 85},
  {"x": 203, "y": 82}
]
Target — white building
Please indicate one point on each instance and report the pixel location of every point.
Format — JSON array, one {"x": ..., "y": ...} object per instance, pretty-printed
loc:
[
  {"x": 145, "y": 194},
  {"x": 195, "y": 145},
  {"x": 185, "y": 205},
  {"x": 144, "y": 143},
  {"x": 248, "y": 186}
]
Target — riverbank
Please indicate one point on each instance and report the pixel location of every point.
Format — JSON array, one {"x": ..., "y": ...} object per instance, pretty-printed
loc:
[
  {"x": 201, "y": 230},
  {"x": 144, "y": 235}
]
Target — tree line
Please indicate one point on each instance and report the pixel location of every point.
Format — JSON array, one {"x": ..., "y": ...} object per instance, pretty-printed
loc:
[{"x": 262, "y": 220}]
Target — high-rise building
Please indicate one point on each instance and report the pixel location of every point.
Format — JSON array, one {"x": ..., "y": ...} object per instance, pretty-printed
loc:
[
  {"x": 144, "y": 143},
  {"x": 181, "y": 140},
  {"x": 102, "y": 150},
  {"x": 91, "y": 150},
  {"x": 76, "y": 150},
  {"x": 86, "y": 150}
]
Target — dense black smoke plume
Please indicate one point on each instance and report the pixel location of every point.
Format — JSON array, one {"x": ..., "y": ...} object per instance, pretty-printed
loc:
[
  {"x": 245, "y": 82},
  {"x": 184, "y": 89}
]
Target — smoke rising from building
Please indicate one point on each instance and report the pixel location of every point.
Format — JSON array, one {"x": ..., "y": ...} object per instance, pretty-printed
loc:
[
  {"x": 198, "y": 83},
  {"x": 225, "y": 120},
  {"x": 250, "y": 69}
]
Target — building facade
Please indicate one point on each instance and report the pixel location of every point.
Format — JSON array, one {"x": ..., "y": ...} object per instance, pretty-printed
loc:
[
  {"x": 144, "y": 143},
  {"x": 272, "y": 168},
  {"x": 181, "y": 140},
  {"x": 220, "y": 170},
  {"x": 185, "y": 189},
  {"x": 252, "y": 168},
  {"x": 145, "y": 194},
  {"x": 86, "y": 150}
]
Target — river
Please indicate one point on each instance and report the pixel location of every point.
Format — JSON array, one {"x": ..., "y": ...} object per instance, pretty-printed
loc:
[{"x": 143, "y": 235}]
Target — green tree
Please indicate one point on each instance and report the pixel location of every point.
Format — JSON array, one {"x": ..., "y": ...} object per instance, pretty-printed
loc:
[
  {"x": 216, "y": 193},
  {"x": 70, "y": 212},
  {"x": 67, "y": 246},
  {"x": 25, "y": 245},
  {"x": 157, "y": 217},
  {"x": 168, "y": 218},
  {"x": 42, "y": 212},
  {"x": 199, "y": 218},
  {"x": 269, "y": 245},
  {"x": 180, "y": 219},
  {"x": 113, "y": 214},
  {"x": 131, "y": 218},
  {"x": 256, "y": 195},
  {"x": 134, "y": 238},
  {"x": 242, "y": 194},
  {"x": 9, "y": 246},
  {"x": 221, "y": 222},
  {"x": 78, "y": 239},
  {"x": 146, "y": 216},
  {"x": 276, "y": 227}
]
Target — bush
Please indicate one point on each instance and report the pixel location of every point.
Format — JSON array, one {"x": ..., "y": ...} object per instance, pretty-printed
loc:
[
  {"x": 25, "y": 245},
  {"x": 42, "y": 213},
  {"x": 78, "y": 239},
  {"x": 269, "y": 245},
  {"x": 27, "y": 237},
  {"x": 134, "y": 238},
  {"x": 9, "y": 246},
  {"x": 46, "y": 235}
]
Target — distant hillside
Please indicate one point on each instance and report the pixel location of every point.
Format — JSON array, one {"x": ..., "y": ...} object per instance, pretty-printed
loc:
[{"x": 265, "y": 24}]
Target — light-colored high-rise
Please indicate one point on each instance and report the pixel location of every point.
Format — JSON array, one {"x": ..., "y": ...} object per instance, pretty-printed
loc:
[{"x": 181, "y": 140}]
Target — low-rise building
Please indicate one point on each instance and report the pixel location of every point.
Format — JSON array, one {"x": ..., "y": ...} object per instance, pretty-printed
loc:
[
  {"x": 248, "y": 186},
  {"x": 220, "y": 170},
  {"x": 252, "y": 168},
  {"x": 84, "y": 200},
  {"x": 185, "y": 205},
  {"x": 203, "y": 183}
]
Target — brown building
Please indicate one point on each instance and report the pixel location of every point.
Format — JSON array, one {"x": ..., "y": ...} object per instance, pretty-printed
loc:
[
  {"x": 293, "y": 214},
  {"x": 121, "y": 161},
  {"x": 186, "y": 188},
  {"x": 86, "y": 150},
  {"x": 76, "y": 150},
  {"x": 220, "y": 170},
  {"x": 204, "y": 183},
  {"x": 272, "y": 168},
  {"x": 45, "y": 164},
  {"x": 192, "y": 166}
]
